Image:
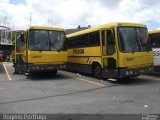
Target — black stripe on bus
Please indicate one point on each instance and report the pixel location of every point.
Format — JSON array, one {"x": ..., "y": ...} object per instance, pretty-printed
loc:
[{"x": 84, "y": 56}]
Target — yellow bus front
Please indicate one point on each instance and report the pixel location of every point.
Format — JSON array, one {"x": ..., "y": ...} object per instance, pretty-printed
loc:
[
  {"x": 40, "y": 48},
  {"x": 46, "y": 49},
  {"x": 131, "y": 54}
]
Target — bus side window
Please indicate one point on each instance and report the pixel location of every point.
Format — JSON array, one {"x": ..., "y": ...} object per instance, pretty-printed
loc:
[{"x": 110, "y": 43}]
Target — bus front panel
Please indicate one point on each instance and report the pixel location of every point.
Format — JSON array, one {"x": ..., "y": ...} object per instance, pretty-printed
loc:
[{"x": 135, "y": 54}]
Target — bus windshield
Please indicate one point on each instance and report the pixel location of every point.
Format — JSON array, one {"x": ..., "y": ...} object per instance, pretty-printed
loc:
[
  {"x": 133, "y": 39},
  {"x": 46, "y": 40},
  {"x": 155, "y": 40}
]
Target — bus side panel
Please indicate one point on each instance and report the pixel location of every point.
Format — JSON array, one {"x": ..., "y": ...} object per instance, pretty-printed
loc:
[
  {"x": 156, "y": 54},
  {"x": 81, "y": 59},
  {"x": 83, "y": 68}
]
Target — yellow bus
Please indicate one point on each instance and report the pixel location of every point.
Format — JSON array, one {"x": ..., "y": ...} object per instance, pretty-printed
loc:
[
  {"x": 40, "y": 48},
  {"x": 154, "y": 37},
  {"x": 114, "y": 50}
]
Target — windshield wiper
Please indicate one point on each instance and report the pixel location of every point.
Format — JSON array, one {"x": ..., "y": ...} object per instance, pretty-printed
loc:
[{"x": 136, "y": 44}]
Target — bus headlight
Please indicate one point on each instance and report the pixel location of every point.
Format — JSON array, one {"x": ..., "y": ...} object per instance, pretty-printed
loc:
[
  {"x": 37, "y": 67},
  {"x": 33, "y": 67},
  {"x": 64, "y": 66},
  {"x": 131, "y": 72},
  {"x": 61, "y": 66},
  {"x": 127, "y": 73},
  {"x": 151, "y": 68}
]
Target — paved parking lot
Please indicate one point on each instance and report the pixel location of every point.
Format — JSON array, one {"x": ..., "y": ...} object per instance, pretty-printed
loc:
[{"x": 74, "y": 93}]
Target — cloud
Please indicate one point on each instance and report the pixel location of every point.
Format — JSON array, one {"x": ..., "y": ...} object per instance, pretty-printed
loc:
[
  {"x": 108, "y": 3},
  {"x": 71, "y": 13},
  {"x": 149, "y": 2}
]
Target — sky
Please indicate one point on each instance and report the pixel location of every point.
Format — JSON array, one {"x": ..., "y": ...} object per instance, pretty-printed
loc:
[{"x": 19, "y": 14}]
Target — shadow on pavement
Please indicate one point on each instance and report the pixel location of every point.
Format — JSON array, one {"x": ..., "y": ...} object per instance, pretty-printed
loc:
[
  {"x": 156, "y": 74},
  {"x": 134, "y": 81},
  {"x": 124, "y": 81},
  {"x": 47, "y": 75}
]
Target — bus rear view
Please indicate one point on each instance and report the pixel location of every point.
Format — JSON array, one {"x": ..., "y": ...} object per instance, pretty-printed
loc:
[{"x": 41, "y": 48}]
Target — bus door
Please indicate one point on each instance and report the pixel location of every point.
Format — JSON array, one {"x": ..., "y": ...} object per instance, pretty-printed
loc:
[
  {"x": 109, "y": 53},
  {"x": 20, "y": 52}
]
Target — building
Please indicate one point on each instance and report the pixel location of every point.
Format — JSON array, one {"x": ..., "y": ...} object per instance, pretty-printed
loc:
[
  {"x": 6, "y": 41},
  {"x": 79, "y": 28}
]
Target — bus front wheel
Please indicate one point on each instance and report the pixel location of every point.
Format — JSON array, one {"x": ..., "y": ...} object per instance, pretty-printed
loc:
[
  {"x": 15, "y": 70},
  {"x": 54, "y": 72},
  {"x": 97, "y": 71}
]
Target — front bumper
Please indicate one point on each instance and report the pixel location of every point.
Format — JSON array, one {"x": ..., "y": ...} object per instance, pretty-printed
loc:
[
  {"x": 45, "y": 67},
  {"x": 126, "y": 72}
]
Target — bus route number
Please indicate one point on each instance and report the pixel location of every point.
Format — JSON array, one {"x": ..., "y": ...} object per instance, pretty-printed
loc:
[
  {"x": 156, "y": 53},
  {"x": 78, "y": 51}
]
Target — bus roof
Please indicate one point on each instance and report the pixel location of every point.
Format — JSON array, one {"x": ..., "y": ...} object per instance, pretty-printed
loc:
[
  {"x": 108, "y": 25},
  {"x": 18, "y": 30},
  {"x": 154, "y": 31},
  {"x": 45, "y": 28}
]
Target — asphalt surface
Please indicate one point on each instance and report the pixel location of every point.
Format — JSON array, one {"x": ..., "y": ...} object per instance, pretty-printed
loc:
[{"x": 74, "y": 93}]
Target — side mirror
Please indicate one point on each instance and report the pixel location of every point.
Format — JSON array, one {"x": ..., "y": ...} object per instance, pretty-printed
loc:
[{"x": 22, "y": 38}]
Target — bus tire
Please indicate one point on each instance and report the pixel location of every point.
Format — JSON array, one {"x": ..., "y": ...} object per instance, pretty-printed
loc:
[
  {"x": 16, "y": 71},
  {"x": 97, "y": 71},
  {"x": 54, "y": 72}
]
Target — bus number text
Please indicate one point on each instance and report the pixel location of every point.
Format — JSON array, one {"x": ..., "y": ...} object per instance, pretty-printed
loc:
[
  {"x": 78, "y": 51},
  {"x": 156, "y": 53}
]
